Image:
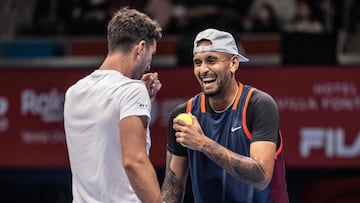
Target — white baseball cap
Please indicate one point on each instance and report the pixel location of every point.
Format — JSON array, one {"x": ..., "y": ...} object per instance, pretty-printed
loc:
[{"x": 220, "y": 41}]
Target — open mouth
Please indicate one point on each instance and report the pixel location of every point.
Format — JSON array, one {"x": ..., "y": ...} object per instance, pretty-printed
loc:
[{"x": 208, "y": 80}]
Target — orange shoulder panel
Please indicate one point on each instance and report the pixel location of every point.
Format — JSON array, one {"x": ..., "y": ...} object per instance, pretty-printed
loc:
[
  {"x": 278, "y": 151},
  {"x": 188, "y": 105},
  {"x": 247, "y": 132},
  {"x": 202, "y": 103},
  {"x": 238, "y": 96}
]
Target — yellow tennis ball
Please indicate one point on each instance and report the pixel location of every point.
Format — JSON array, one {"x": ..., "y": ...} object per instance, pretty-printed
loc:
[{"x": 187, "y": 118}]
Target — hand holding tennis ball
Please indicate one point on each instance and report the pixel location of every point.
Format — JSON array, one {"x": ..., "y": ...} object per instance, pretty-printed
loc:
[{"x": 187, "y": 118}]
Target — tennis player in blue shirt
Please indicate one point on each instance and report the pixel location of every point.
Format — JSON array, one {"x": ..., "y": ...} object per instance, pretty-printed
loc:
[{"x": 234, "y": 148}]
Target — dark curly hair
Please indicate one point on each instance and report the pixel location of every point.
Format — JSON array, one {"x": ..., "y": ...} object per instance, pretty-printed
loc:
[{"x": 129, "y": 26}]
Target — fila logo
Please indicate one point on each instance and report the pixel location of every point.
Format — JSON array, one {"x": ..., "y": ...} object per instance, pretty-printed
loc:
[
  {"x": 233, "y": 129},
  {"x": 332, "y": 140}
]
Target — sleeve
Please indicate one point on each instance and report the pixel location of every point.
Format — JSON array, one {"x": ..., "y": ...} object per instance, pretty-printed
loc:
[
  {"x": 135, "y": 101},
  {"x": 173, "y": 146},
  {"x": 263, "y": 118}
]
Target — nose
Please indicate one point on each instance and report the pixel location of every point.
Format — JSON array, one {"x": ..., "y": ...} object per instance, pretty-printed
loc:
[{"x": 203, "y": 68}]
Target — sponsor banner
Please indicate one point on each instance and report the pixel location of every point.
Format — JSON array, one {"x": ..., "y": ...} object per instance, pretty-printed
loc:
[
  {"x": 320, "y": 114},
  {"x": 319, "y": 111},
  {"x": 31, "y": 116}
]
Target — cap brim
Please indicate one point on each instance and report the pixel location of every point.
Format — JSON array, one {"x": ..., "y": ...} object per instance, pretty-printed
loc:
[{"x": 243, "y": 58}]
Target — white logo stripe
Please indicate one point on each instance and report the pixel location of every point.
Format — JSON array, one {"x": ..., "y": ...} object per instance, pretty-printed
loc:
[{"x": 233, "y": 129}]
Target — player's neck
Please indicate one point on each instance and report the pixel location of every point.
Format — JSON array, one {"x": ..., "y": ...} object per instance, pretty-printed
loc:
[
  {"x": 119, "y": 63},
  {"x": 221, "y": 105}
]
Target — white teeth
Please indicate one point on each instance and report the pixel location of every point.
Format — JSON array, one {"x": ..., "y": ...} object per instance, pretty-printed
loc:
[{"x": 209, "y": 79}]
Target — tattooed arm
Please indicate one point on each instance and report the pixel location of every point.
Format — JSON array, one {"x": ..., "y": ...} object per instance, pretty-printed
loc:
[
  {"x": 173, "y": 187},
  {"x": 255, "y": 170}
]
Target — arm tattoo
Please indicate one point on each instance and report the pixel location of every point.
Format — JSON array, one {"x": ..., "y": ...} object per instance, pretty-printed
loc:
[
  {"x": 172, "y": 189},
  {"x": 241, "y": 167}
]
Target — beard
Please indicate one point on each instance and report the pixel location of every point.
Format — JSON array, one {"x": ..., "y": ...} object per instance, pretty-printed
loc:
[
  {"x": 139, "y": 71},
  {"x": 217, "y": 90},
  {"x": 137, "y": 74},
  {"x": 212, "y": 93}
]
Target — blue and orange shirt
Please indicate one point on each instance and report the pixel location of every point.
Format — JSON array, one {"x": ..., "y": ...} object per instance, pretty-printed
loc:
[{"x": 210, "y": 182}]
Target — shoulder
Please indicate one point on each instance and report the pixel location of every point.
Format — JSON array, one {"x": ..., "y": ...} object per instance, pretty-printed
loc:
[
  {"x": 181, "y": 108},
  {"x": 261, "y": 98},
  {"x": 115, "y": 78},
  {"x": 262, "y": 106},
  {"x": 136, "y": 84},
  {"x": 131, "y": 86}
]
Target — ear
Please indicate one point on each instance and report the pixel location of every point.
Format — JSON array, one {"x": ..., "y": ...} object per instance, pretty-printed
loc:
[
  {"x": 140, "y": 47},
  {"x": 234, "y": 64}
]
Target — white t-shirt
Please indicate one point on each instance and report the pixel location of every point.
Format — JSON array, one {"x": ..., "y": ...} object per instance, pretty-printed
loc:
[{"x": 92, "y": 111}]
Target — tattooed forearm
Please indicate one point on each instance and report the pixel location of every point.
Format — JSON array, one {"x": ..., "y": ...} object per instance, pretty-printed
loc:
[
  {"x": 241, "y": 167},
  {"x": 172, "y": 189}
]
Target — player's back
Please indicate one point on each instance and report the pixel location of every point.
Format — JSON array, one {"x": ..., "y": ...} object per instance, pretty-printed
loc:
[{"x": 91, "y": 120}]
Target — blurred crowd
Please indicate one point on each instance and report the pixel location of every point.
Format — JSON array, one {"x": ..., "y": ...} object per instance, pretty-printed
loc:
[{"x": 181, "y": 17}]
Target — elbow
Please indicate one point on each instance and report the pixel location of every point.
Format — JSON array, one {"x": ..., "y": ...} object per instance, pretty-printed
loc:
[
  {"x": 129, "y": 165},
  {"x": 132, "y": 163},
  {"x": 263, "y": 178},
  {"x": 262, "y": 184}
]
